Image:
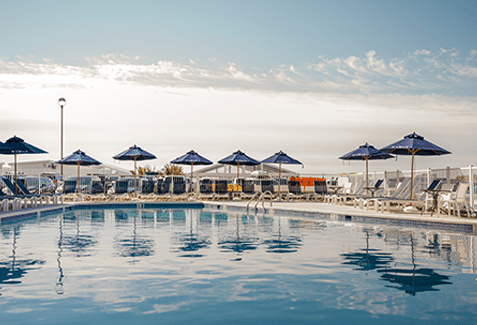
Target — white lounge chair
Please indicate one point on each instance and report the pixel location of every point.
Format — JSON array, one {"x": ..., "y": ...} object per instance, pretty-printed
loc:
[{"x": 458, "y": 201}]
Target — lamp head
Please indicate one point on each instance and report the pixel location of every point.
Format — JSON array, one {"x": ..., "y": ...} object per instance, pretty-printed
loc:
[{"x": 61, "y": 102}]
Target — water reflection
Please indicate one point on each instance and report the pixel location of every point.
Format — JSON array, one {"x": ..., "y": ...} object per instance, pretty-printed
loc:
[
  {"x": 59, "y": 289},
  {"x": 190, "y": 242},
  {"x": 413, "y": 280},
  {"x": 236, "y": 241},
  {"x": 11, "y": 271},
  {"x": 368, "y": 259},
  {"x": 78, "y": 243},
  {"x": 283, "y": 243},
  {"x": 134, "y": 245}
]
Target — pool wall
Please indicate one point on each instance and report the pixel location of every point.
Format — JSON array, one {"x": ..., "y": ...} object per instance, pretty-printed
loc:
[
  {"x": 460, "y": 227},
  {"x": 396, "y": 221},
  {"x": 16, "y": 216}
]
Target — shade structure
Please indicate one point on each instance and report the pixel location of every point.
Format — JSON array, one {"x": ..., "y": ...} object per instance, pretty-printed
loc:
[
  {"x": 17, "y": 146},
  {"x": 366, "y": 152},
  {"x": 239, "y": 158},
  {"x": 191, "y": 158},
  {"x": 411, "y": 145},
  {"x": 3, "y": 148},
  {"x": 134, "y": 153},
  {"x": 281, "y": 158},
  {"x": 79, "y": 158}
]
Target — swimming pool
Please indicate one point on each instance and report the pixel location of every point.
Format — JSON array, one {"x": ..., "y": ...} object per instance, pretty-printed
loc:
[{"x": 176, "y": 266}]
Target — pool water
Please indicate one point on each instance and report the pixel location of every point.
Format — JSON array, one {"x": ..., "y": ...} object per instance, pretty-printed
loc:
[{"x": 195, "y": 266}]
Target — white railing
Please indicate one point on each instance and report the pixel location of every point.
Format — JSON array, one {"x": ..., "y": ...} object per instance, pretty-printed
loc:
[
  {"x": 462, "y": 174},
  {"x": 28, "y": 202}
]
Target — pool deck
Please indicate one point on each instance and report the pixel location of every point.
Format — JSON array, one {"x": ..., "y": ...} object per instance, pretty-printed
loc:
[
  {"x": 341, "y": 210},
  {"x": 307, "y": 209}
]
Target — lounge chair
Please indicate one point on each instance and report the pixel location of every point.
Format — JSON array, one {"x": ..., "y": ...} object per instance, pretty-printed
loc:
[
  {"x": 8, "y": 183},
  {"x": 458, "y": 201},
  {"x": 321, "y": 189},
  {"x": 121, "y": 186},
  {"x": 69, "y": 186},
  {"x": 398, "y": 198},
  {"x": 22, "y": 187},
  {"x": 432, "y": 196},
  {"x": 373, "y": 189}
]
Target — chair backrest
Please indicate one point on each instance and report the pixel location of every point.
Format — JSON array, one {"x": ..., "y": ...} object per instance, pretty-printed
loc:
[
  {"x": 22, "y": 187},
  {"x": 448, "y": 187},
  {"x": 97, "y": 187},
  {"x": 403, "y": 189},
  {"x": 9, "y": 184},
  {"x": 461, "y": 192},
  {"x": 378, "y": 183},
  {"x": 320, "y": 187},
  {"x": 121, "y": 186},
  {"x": 433, "y": 185},
  {"x": 69, "y": 186}
]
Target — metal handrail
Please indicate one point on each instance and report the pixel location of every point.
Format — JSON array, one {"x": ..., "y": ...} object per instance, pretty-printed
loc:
[
  {"x": 261, "y": 199},
  {"x": 253, "y": 197}
]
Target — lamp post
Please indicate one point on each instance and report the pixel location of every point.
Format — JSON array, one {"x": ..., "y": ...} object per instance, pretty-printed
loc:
[{"x": 61, "y": 103}]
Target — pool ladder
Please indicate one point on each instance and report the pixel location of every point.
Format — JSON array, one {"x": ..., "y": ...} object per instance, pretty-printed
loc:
[{"x": 260, "y": 199}]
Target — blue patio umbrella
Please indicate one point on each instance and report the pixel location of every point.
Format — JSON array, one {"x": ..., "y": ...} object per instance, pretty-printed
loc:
[
  {"x": 239, "y": 158},
  {"x": 16, "y": 146},
  {"x": 366, "y": 152},
  {"x": 191, "y": 158},
  {"x": 411, "y": 145},
  {"x": 134, "y": 153},
  {"x": 79, "y": 158},
  {"x": 281, "y": 158},
  {"x": 3, "y": 148}
]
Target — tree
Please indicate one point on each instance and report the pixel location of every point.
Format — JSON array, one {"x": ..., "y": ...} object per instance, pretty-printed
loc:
[{"x": 171, "y": 169}]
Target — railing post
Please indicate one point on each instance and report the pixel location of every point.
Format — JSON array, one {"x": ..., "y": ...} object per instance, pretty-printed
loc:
[{"x": 471, "y": 188}]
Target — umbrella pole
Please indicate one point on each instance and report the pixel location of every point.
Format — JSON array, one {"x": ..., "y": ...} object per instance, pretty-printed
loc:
[
  {"x": 135, "y": 176},
  {"x": 15, "y": 171},
  {"x": 78, "y": 181},
  {"x": 367, "y": 184},
  {"x": 412, "y": 172},
  {"x": 191, "y": 176},
  {"x": 279, "y": 180},
  {"x": 233, "y": 189}
]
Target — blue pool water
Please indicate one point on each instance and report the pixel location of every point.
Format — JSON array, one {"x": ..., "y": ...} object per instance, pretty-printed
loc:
[{"x": 195, "y": 266}]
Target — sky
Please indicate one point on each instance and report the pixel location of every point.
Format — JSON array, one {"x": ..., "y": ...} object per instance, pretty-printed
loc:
[{"x": 315, "y": 79}]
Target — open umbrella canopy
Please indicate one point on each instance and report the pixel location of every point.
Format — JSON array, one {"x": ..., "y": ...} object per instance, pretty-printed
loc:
[
  {"x": 134, "y": 153},
  {"x": 366, "y": 152},
  {"x": 411, "y": 145},
  {"x": 4, "y": 149},
  {"x": 281, "y": 158},
  {"x": 192, "y": 158},
  {"x": 239, "y": 158},
  {"x": 16, "y": 146},
  {"x": 79, "y": 158},
  {"x": 414, "y": 144}
]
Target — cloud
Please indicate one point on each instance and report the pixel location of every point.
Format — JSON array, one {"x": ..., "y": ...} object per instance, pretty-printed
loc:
[{"x": 444, "y": 72}]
